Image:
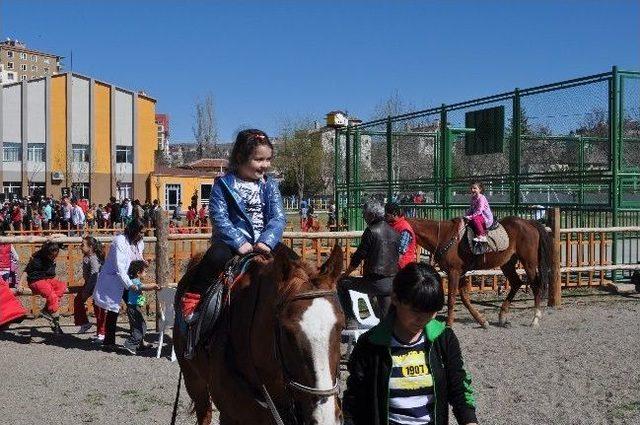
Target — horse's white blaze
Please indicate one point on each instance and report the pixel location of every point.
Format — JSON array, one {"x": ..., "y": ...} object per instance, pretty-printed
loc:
[{"x": 317, "y": 324}]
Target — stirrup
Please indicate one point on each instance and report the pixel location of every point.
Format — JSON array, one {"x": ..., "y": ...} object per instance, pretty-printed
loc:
[{"x": 190, "y": 347}]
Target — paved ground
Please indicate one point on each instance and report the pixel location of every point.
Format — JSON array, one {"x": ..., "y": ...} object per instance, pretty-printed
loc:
[{"x": 582, "y": 366}]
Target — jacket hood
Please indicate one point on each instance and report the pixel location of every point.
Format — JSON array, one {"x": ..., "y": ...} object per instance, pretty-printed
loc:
[{"x": 381, "y": 333}]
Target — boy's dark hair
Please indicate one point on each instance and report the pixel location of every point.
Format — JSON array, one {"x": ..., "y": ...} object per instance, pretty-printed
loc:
[
  {"x": 419, "y": 286},
  {"x": 479, "y": 184},
  {"x": 393, "y": 208},
  {"x": 246, "y": 142},
  {"x": 136, "y": 267}
]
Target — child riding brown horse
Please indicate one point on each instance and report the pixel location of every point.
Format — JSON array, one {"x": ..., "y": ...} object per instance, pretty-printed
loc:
[
  {"x": 529, "y": 243},
  {"x": 276, "y": 352}
]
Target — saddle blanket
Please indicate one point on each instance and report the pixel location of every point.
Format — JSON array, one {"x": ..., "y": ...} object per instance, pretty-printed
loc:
[{"x": 497, "y": 240}]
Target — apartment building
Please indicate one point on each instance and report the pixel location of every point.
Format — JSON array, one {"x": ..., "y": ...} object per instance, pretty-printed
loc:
[
  {"x": 19, "y": 63},
  {"x": 72, "y": 132}
]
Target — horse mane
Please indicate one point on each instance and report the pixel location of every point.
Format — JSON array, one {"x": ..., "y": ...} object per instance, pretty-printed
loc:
[{"x": 299, "y": 274}]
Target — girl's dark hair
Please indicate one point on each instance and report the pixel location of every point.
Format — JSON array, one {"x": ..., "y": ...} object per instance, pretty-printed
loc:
[
  {"x": 419, "y": 286},
  {"x": 246, "y": 142},
  {"x": 96, "y": 246},
  {"x": 48, "y": 248},
  {"x": 479, "y": 184},
  {"x": 136, "y": 267},
  {"x": 134, "y": 227}
]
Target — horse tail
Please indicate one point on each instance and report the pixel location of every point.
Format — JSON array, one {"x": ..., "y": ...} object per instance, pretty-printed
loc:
[{"x": 545, "y": 245}]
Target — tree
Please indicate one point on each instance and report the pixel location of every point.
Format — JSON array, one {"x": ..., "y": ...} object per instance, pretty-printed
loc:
[
  {"x": 299, "y": 158},
  {"x": 205, "y": 128}
]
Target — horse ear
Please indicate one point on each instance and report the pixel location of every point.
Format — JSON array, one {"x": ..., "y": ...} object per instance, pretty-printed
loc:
[{"x": 333, "y": 266}]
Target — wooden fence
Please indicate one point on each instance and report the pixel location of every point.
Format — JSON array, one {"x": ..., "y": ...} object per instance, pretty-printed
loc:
[{"x": 582, "y": 257}]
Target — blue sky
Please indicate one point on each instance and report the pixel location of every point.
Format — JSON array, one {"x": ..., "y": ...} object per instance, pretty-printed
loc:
[{"x": 272, "y": 60}]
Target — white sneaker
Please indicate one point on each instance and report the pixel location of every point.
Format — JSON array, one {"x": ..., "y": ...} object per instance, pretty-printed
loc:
[
  {"x": 98, "y": 339},
  {"x": 480, "y": 239},
  {"x": 84, "y": 328}
]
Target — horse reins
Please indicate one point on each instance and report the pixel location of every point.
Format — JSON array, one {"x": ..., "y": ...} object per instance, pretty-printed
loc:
[{"x": 318, "y": 392}]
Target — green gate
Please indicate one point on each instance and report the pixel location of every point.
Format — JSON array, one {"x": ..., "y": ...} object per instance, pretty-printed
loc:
[{"x": 573, "y": 144}]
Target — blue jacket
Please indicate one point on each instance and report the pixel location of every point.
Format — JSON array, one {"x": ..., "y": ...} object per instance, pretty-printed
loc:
[{"x": 228, "y": 216}]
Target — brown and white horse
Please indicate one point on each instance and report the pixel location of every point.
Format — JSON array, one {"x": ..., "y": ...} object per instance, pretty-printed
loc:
[
  {"x": 529, "y": 243},
  {"x": 280, "y": 341}
]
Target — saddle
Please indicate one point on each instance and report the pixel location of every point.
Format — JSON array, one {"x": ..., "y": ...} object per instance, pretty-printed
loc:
[
  {"x": 203, "y": 323},
  {"x": 497, "y": 239}
]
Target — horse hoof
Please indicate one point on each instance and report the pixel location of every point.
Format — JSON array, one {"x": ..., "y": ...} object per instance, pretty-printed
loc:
[
  {"x": 485, "y": 324},
  {"x": 535, "y": 323}
]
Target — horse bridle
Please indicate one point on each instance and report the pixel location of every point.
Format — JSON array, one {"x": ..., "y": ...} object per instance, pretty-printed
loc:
[{"x": 289, "y": 382}]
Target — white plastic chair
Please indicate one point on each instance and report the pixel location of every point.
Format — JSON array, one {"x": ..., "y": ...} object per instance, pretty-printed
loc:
[
  {"x": 365, "y": 322},
  {"x": 166, "y": 298}
]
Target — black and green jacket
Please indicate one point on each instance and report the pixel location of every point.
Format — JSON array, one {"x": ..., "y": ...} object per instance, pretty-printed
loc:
[{"x": 366, "y": 399}]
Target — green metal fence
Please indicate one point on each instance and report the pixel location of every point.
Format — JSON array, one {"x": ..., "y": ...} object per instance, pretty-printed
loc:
[{"x": 573, "y": 144}]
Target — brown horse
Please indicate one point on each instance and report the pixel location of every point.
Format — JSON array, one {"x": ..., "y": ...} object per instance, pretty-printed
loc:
[
  {"x": 279, "y": 340},
  {"x": 529, "y": 243}
]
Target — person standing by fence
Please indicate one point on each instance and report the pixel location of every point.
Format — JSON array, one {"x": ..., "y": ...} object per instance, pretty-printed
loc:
[
  {"x": 113, "y": 279},
  {"x": 407, "y": 248},
  {"x": 135, "y": 303},
  {"x": 379, "y": 250},
  {"x": 92, "y": 260}
]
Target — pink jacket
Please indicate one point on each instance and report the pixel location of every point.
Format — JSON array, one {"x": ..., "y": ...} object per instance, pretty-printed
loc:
[{"x": 480, "y": 206}]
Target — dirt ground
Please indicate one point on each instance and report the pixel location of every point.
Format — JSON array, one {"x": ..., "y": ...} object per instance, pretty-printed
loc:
[{"x": 582, "y": 366}]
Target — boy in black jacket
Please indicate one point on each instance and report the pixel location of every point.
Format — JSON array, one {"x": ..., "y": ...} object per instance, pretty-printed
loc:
[{"x": 409, "y": 369}]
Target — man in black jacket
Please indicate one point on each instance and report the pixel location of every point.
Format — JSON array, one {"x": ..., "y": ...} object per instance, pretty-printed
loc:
[
  {"x": 409, "y": 368},
  {"x": 379, "y": 250}
]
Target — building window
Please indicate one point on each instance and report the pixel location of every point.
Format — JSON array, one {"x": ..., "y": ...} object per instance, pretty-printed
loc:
[
  {"x": 9, "y": 188},
  {"x": 36, "y": 188},
  {"x": 34, "y": 58},
  {"x": 10, "y": 55},
  {"x": 124, "y": 154},
  {"x": 23, "y": 56},
  {"x": 80, "y": 190},
  {"x": 46, "y": 69},
  {"x": 34, "y": 68},
  {"x": 9, "y": 65},
  {"x": 23, "y": 67},
  {"x": 10, "y": 76},
  {"x": 11, "y": 152},
  {"x": 172, "y": 196},
  {"x": 80, "y": 153},
  {"x": 124, "y": 191},
  {"x": 35, "y": 152},
  {"x": 46, "y": 61},
  {"x": 205, "y": 193},
  {"x": 23, "y": 78}
]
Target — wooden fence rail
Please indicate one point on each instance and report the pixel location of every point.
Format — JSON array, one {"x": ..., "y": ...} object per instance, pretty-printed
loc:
[{"x": 581, "y": 257}]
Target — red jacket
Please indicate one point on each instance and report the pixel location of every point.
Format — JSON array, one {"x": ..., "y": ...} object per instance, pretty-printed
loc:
[
  {"x": 400, "y": 225},
  {"x": 5, "y": 256}
]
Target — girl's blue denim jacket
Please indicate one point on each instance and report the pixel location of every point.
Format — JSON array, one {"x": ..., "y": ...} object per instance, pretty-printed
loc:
[{"x": 228, "y": 216}]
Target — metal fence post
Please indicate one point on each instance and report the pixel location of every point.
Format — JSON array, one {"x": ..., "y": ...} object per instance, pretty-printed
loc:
[
  {"x": 390, "y": 176},
  {"x": 446, "y": 162},
  {"x": 162, "y": 254},
  {"x": 614, "y": 122},
  {"x": 516, "y": 131},
  {"x": 555, "y": 286}
]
